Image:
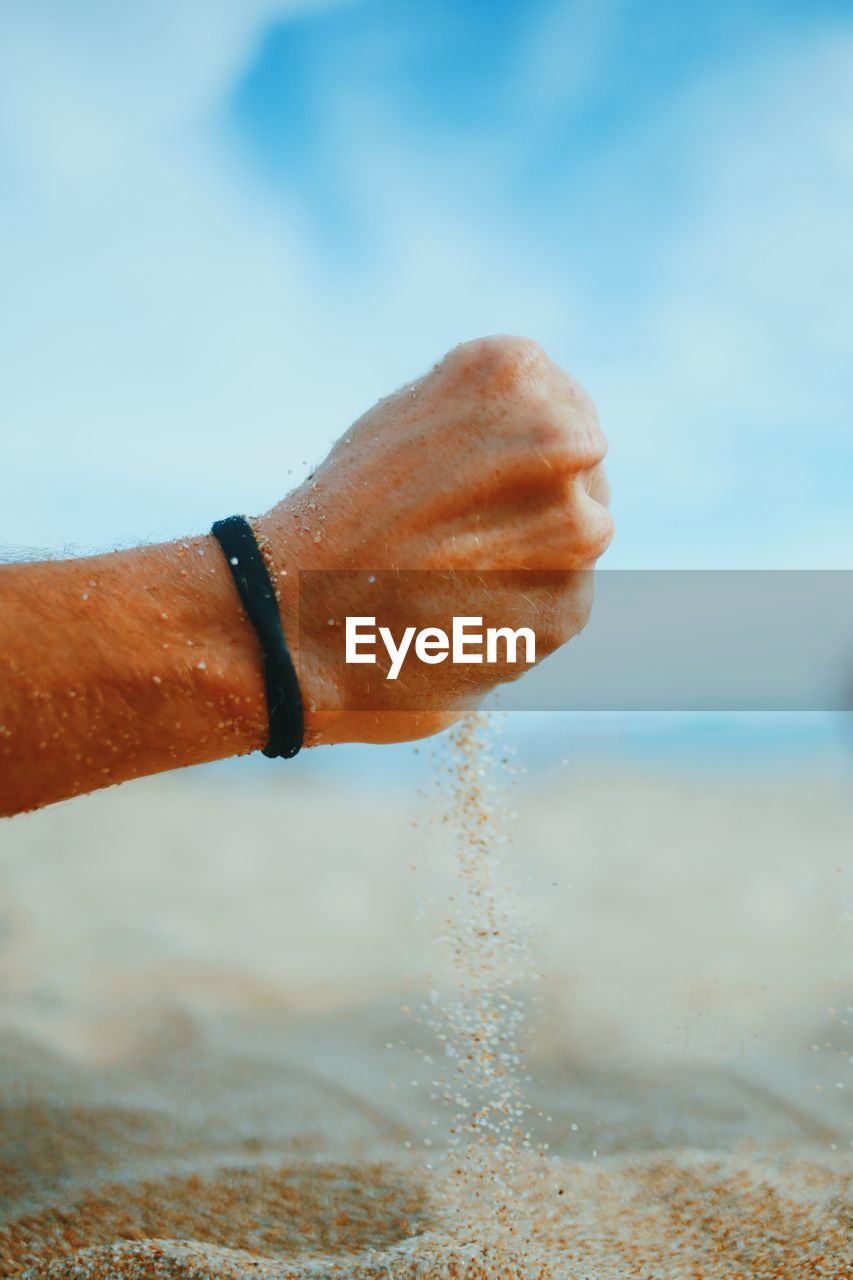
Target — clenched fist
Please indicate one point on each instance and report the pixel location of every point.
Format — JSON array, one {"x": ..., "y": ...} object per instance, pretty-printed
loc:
[{"x": 486, "y": 473}]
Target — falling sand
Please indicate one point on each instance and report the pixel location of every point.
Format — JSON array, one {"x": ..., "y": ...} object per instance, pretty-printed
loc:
[{"x": 212, "y": 1147}]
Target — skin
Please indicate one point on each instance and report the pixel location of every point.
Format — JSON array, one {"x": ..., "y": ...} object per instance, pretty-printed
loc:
[{"x": 487, "y": 471}]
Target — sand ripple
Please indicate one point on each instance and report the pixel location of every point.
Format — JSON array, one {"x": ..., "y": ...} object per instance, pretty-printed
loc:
[{"x": 670, "y": 1215}]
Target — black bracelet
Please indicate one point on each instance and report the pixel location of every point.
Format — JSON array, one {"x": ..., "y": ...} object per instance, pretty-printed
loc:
[{"x": 284, "y": 704}]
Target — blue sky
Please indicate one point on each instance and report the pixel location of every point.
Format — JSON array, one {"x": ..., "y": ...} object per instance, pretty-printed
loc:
[{"x": 240, "y": 223}]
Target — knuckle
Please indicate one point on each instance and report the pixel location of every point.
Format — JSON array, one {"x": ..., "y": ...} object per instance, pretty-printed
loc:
[
  {"x": 596, "y": 532},
  {"x": 598, "y": 445},
  {"x": 573, "y": 442},
  {"x": 503, "y": 364},
  {"x": 586, "y": 442},
  {"x": 549, "y": 436},
  {"x": 598, "y": 485},
  {"x": 578, "y": 396}
]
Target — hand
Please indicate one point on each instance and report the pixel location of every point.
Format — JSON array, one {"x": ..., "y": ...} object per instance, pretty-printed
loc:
[
  {"x": 491, "y": 462},
  {"x": 486, "y": 472}
]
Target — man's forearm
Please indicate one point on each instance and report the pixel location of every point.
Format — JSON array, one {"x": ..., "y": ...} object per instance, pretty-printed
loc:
[
  {"x": 120, "y": 665},
  {"x": 131, "y": 663}
]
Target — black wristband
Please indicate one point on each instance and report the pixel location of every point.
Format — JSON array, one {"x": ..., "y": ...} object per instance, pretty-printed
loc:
[{"x": 284, "y": 704}]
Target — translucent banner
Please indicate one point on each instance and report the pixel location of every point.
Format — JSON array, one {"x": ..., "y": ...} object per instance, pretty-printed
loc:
[{"x": 646, "y": 640}]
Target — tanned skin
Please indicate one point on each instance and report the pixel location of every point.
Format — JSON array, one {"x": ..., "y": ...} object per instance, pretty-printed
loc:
[{"x": 131, "y": 663}]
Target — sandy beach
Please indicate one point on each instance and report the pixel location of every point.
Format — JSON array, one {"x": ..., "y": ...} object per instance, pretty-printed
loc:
[{"x": 215, "y": 1060}]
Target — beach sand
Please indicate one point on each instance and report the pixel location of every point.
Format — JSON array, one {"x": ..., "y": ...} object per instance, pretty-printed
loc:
[{"x": 214, "y": 1060}]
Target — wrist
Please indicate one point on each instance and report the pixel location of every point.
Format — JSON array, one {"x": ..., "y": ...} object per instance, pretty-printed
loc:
[
  {"x": 202, "y": 654},
  {"x": 282, "y": 543}
]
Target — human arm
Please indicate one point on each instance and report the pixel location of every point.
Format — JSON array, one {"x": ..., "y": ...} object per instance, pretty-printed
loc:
[{"x": 139, "y": 661}]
